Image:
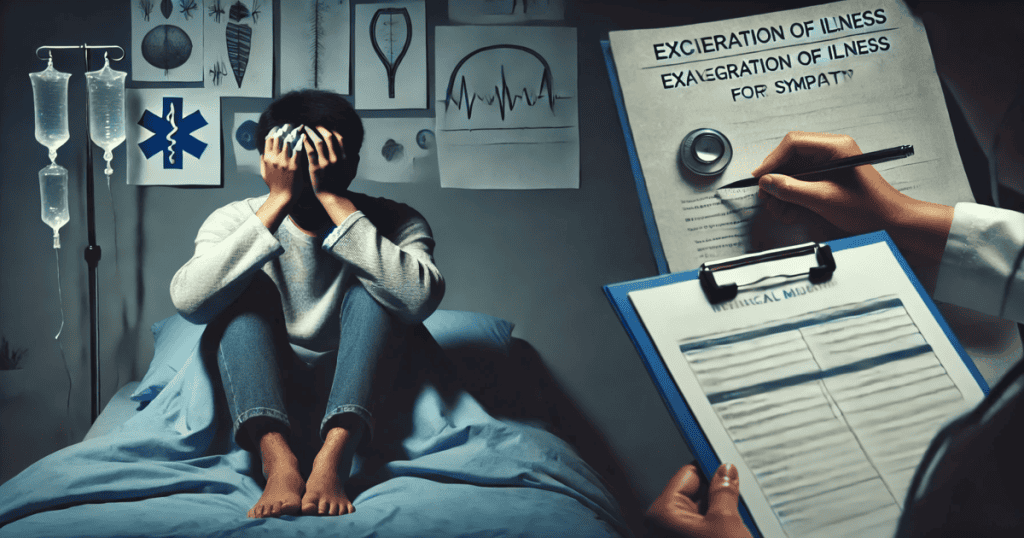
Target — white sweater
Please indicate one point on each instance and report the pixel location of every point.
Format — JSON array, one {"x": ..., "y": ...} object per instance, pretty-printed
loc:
[{"x": 386, "y": 246}]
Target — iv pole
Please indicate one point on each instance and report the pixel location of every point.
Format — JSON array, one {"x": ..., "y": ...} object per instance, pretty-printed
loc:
[{"x": 92, "y": 250}]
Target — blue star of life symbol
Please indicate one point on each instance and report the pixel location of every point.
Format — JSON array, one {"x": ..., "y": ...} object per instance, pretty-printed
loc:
[{"x": 172, "y": 134}]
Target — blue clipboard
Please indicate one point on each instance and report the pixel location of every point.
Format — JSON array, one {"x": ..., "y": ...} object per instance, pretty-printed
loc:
[
  {"x": 693, "y": 434},
  {"x": 634, "y": 163}
]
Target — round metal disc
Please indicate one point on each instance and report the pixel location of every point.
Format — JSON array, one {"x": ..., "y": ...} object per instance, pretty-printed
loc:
[{"x": 705, "y": 152}]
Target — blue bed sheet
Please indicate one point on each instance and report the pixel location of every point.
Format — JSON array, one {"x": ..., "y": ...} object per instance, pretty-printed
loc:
[{"x": 173, "y": 469}]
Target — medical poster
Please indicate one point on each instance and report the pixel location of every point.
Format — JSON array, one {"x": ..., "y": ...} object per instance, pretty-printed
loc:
[
  {"x": 173, "y": 137},
  {"x": 506, "y": 108},
  {"x": 398, "y": 150},
  {"x": 315, "y": 45},
  {"x": 390, "y": 41},
  {"x": 505, "y": 11},
  {"x": 167, "y": 40},
  {"x": 239, "y": 47},
  {"x": 240, "y": 127}
]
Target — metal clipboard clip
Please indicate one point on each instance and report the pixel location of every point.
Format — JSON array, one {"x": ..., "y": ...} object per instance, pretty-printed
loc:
[{"x": 718, "y": 293}]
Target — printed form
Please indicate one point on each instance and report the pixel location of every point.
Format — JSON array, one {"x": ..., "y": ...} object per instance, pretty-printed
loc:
[
  {"x": 825, "y": 396},
  {"x": 860, "y": 67}
]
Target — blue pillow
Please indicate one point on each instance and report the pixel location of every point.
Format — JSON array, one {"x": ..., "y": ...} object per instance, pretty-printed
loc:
[
  {"x": 177, "y": 338},
  {"x": 455, "y": 329}
]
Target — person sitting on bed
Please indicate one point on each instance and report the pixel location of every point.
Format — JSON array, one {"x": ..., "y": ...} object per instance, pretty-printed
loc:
[{"x": 311, "y": 289}]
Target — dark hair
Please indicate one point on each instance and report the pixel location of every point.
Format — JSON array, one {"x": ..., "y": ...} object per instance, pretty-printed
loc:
[{"x": 312, "y": 108}]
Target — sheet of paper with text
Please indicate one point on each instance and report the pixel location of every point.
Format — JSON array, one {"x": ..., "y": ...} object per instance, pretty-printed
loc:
[
  {"x": 859, "y": 67},
  {"x": 825, "y": 396}
]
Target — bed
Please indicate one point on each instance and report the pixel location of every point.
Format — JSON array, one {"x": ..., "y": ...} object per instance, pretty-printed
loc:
[{"x": 160, "y": 459}]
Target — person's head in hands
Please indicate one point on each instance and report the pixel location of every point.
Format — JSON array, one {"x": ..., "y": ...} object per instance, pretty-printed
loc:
[{"x": 309, "y": 142}]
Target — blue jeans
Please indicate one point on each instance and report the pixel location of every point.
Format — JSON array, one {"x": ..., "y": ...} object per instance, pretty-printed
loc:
[{"x": 266, "y": 383}]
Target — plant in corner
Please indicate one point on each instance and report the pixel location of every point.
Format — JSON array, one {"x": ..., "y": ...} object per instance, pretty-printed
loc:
[{"x": 10, "y": 357}]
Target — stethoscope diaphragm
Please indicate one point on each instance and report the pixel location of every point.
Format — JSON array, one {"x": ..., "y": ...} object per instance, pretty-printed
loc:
[{"x": 705, "y": 152}]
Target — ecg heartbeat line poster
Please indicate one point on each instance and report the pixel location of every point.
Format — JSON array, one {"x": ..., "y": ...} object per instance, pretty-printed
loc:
[
  {"x": 173, "y": 137},
  {"x": 239, "y": 47},
  {"x": 390, "y": 56},
  {"x": 506, "y": 109}
]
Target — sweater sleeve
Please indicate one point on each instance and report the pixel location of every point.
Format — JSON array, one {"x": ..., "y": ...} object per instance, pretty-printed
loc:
[
  {"x": 981, "y": 267},
  {"x": 230, "y": 247},
  {"x": 394, "y": 262}
]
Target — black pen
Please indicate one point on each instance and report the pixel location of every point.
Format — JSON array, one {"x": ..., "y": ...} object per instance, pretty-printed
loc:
[{"x": 874, "y": 157}]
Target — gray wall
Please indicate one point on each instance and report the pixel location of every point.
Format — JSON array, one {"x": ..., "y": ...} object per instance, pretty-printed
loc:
[{"x": 537, "y": 258}]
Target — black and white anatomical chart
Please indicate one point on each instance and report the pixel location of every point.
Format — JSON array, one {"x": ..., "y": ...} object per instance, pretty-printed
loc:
[
  {"x": 167, "y": 40},
  {"x": 506, "y": 107},
  {"x": 390, "y": 56},
  {"x": 239, "y": 47},
  {"x": 861, "y": 68},
  {"x": 315, "y": 45}
]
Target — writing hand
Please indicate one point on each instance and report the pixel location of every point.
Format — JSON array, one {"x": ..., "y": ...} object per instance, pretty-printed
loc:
[
  {"x": 863, "y": 201},
  {"x": 678, "y": 510}
]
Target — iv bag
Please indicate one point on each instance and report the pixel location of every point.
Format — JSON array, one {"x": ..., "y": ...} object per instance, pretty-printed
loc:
[
  {"x": 50, "y": 94},
  {"x": 53, "y": 195},
  {"x": 106, "y": 110}
]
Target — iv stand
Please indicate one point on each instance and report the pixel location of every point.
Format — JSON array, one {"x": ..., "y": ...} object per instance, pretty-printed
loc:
[{"x": 92, "y": 250}]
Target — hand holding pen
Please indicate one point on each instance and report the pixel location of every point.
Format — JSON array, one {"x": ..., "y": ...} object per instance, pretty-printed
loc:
[
  {"x": 814, "y": 173},
  {"x": 855, "y": 199}
]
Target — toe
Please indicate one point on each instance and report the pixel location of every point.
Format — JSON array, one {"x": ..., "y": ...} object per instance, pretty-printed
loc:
[
  {"x": 333, "y": 509},
  {"x": 323, "y": 506}
]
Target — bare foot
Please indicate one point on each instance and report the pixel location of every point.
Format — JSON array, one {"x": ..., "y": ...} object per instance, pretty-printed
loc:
[
  {"x": 283, "y": 492},
  {"x": 325, "y": 489}
]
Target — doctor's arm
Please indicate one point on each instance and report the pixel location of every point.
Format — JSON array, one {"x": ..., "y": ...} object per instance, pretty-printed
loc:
[{"x": 979, "y": 249}]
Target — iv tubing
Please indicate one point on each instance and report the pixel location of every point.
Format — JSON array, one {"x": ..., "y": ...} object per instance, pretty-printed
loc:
[{"x": 60, "y": 295}]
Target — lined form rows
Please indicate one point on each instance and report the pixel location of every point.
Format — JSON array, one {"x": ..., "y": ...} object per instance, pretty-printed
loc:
[{"x": 831, "y": 412}]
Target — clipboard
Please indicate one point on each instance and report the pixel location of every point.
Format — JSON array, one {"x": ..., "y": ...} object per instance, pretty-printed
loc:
[
  {"x": 675, "y": 401},
  {"x": 634, "y": 163}
]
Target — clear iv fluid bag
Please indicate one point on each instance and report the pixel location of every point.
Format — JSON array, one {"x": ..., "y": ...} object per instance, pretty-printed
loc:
[
  {"x": 106, "y": 107},
  {"x": 50, "y": 93},
  {"x": 53, "y": 195}
]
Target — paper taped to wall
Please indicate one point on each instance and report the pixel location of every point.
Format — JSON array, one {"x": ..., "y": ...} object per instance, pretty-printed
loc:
[
  {"x": 398, "y": 150},
  {"x": 170, "y": 137},
  {"x": 506, "y": 107}
]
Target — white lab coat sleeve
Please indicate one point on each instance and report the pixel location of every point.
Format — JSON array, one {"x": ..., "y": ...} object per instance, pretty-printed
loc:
[{"x": 981, "y": 267}]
